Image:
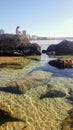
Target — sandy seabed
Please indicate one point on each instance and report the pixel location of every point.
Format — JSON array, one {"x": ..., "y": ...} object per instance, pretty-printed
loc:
[{"x": 38, "y": 114}]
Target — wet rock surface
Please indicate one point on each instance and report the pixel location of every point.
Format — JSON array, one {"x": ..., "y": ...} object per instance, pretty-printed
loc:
[
  {"x": 62, "y": 63},
  {"x": 70, "y": 97},
  {"x": 53, "y": 94}
]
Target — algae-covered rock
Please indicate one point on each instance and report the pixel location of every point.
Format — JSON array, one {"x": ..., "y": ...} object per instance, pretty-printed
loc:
[
  {"x": 63, "y": 48},
  {"x": 17, "y": 45},
  {"x": 10, "y": 43},
  {"x": 31, "y": 49},
  {"x": 6, "y": 115},
  {"x": 62, "y": 63},
  {"x": 53, "y": 93},
  {"x": 14, "y": 62},
  {"x": 68, "y": 121},
  {"x": 12, "y": 89}
]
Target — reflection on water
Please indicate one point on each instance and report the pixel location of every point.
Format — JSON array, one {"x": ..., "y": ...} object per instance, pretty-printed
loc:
[
  {"x": 44, "y": 58},
  {"x": 67, "y": 73}
]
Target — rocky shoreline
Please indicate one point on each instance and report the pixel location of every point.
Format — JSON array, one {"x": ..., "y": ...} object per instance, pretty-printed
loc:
[
  {"x": 34, "y": 99},
  {"x": 17, "y": 45},
  {"x": 63, "y": 48}
]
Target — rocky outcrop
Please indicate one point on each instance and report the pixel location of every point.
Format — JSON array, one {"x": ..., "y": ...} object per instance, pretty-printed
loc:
[
  {"x": 62, "y": 63},
  {"x": 63, "y": 48},
  {"x": 17, "y": 44},
  {"x": 30, "y": 49}
]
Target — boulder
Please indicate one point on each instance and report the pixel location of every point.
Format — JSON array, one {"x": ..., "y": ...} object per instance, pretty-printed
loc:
[
  {"x": 62, "y": 63},
  {"x": 30, "y": 49},
  {"x": 17, "y": 44},
  {"x": 63, "y": 48},
  {"x": 43, "y": 51}
]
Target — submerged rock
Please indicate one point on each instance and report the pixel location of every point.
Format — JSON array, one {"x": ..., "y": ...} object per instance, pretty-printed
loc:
[
  {"x": 12, "y": 89},
  {"x": 68, "y": 121},
  {"x": 53, "y": 93},
  {"x": 6, "y": 116},
  {"x": 70, "y": 97}
]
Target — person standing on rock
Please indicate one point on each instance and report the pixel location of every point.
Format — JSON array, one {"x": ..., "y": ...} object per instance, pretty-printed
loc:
[{"x": 17, "y": 30}]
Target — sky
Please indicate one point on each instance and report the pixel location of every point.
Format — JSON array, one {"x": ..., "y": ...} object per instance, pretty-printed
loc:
[{"x": 49, "y": 18}]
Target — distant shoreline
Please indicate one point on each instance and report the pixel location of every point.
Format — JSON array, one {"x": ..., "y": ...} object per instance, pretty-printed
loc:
[
  {"x": 62, "y": 38},
  {"x": 54, "y": 39}
]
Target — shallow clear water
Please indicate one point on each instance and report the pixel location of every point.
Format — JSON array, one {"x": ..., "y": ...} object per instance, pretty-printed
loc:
[
  {"x": 36, "y": 79},
  {"x": 43, "y": 64}
]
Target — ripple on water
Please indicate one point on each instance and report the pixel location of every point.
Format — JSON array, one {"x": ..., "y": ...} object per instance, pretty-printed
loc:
[{"x": 44, "y": 114}]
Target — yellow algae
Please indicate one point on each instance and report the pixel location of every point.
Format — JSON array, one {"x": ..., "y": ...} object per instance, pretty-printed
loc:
[
  {"x": 13, "y": 62},
  {"x": 16, "y": 62}
]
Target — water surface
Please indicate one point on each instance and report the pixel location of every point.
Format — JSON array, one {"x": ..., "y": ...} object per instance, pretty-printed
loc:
[{"x": 35, "y": 80}]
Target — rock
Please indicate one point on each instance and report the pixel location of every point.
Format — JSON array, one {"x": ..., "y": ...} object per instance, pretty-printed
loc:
[
  {"x": 48, "y": 53},
  {"x": 35, "y": 49},
  {"x": 12, "y": 89},
  {"x": 63, "y": 48},
  {"x": 10, "y": 43},
  {"x": 43, "y": 51},
  {"x": 6, "y": 116},
  {"x": 53, "y": 93},
  {"x": 30, "y": 81},
  {"x": 68, "y": 121},
  {"x": 17, "y": 44},
  {"x": 31, "y": 49},
  {"x": 70, "y": 97},
  {"x": 51, "y": 53},
  {"x": 62, "y": 63}
]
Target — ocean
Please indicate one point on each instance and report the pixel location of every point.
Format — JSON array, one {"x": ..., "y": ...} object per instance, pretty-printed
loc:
[{"x": 44, "y": 104}]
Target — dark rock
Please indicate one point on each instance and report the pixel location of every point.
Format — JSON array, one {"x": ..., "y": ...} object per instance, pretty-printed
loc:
[
  {"x": 63, "y": 48},
  {"x": 70, "y": 97},
  {"x": 17, "y": 44},
  {"x": 6, "y": 116},
  {"x": 51, "y": 53},
  {"x": 31, "y": 49},
  {"x": 62, "y": 63},
  {"x": 10, "y": 43},
  {"x": 11, "y": 89},
  {"x": 43, "y": 51},
  {"x": 35, "y": 49},
  {"x": 53, "y": 94},
  {"x": 68, "y": 121}
]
